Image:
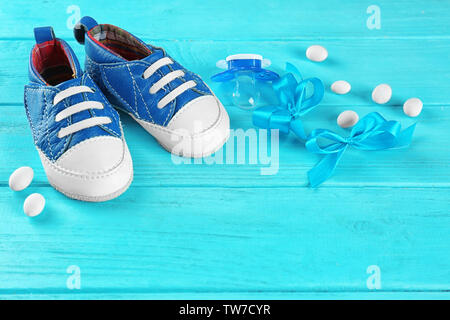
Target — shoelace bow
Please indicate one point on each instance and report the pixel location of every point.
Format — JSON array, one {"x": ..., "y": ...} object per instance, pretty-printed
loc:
[{"x": 371, "y": 133}]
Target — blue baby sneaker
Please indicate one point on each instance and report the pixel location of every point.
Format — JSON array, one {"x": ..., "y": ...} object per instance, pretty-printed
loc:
[
  {"x": 76, "y": 131},
  {"x": 171, "y": 103}
]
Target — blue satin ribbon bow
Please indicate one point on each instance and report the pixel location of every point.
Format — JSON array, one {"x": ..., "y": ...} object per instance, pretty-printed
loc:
[
  {"x": 293, "y": 103},
  {"x": 372, "y": 132}
]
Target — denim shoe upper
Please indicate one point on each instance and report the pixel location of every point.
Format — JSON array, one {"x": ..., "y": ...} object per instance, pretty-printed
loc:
[
  {"x": 139, "y": 78},
  {"x": 64, "y": 106}
]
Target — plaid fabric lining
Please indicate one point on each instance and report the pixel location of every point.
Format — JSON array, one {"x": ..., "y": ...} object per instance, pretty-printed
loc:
[
  {"x": 51, "y": 62},
  {"x": 119, "y": 42}
]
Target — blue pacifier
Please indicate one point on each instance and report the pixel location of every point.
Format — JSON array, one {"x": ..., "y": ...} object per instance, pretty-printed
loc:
[{"x": 246, "y": 74}]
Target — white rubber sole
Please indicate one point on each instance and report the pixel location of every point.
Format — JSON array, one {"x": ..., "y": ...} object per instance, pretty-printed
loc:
[
  {"x": 92, "y": 187},
  {"x": 198, "y": 145}
]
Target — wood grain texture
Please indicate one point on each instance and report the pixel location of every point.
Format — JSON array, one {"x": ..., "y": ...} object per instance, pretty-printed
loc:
[
  {"x": 237, "y": 20},
  {"x": 323, "y": 241},
  {"x": 403, "y": 64},
  {"x": 422, "y": 164},
  {"x": 199, "y": 231}
]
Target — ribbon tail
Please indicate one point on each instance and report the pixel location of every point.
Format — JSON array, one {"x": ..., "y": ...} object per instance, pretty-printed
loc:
[
  {"x": 324, "y": 169},
  {"x": 297, "y": 128},
  {"x": 405, "y": 137},
  {"x": 261, "y": 117}
]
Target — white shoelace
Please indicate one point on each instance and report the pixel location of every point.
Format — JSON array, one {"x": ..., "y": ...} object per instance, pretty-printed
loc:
[
  {"x": 85, "y": 105},
  {"x": 158, "y": 85}
]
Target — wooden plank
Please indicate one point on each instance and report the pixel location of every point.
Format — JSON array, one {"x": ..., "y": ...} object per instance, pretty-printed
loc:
[
  {"x": 236, "y": 19},
  {"x": 76, "y": 295},
  {"x": 157, "y": 241},
  {"x": 199, "y": 231},
  {"x": 424, "y": 163},
  {"x": 405, "y": 66}
]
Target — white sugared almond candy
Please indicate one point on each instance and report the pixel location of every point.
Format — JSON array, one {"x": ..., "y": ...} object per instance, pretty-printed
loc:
[
  {"x": 34, "y": 204},
  {"x": 382, "y": 93},
  {"x": 412, "y": 107},
  {"x": 347, "y": 119},
  {"x": 341, "y": 87},
  {"x": 21, "y": 178},
  {"x": 316, "y": 53}
]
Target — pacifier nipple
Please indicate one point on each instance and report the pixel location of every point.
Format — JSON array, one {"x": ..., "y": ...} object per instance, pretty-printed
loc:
[{"x": 246, "y": 93}]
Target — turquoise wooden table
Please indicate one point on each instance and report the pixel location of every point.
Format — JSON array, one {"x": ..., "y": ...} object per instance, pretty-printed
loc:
[{"x": 379, "y": 228}]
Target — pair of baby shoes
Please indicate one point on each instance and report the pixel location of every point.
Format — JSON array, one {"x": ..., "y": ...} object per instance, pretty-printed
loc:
[{"x": 72, "y": 115}]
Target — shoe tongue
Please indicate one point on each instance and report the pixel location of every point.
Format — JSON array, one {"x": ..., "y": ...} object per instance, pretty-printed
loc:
[{"x": 69, "y": 83}]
